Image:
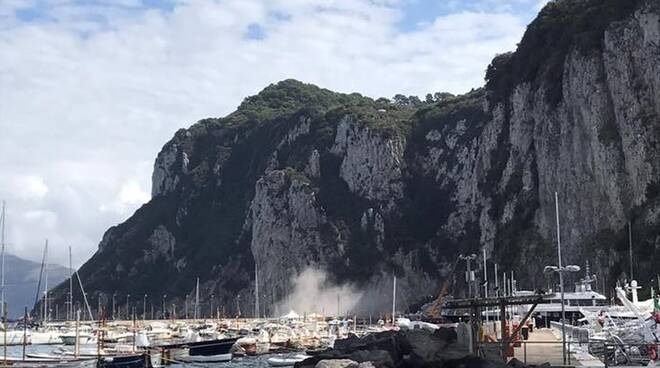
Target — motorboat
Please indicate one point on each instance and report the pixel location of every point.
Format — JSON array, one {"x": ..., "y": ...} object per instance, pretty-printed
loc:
[
  {"x": 15, "y": 337},
  {"x": 218, "y": 358},
  {"x": 286, "y": 360},
  {"x": 208, "y": 351},
  {"x": 46, "y": 337},
  {"x": 70, "y": 338},
  {"x": 125, "y": 361}
]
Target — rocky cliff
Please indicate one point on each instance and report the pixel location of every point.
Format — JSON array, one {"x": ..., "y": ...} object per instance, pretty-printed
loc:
[{"x": 365, "y": 189}]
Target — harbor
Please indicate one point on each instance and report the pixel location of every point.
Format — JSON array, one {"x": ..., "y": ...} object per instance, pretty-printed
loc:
[
  {"x": 503, "y": 324},
  {"x": 329, "y": 183},
  {"x": 516, "y": 327}
]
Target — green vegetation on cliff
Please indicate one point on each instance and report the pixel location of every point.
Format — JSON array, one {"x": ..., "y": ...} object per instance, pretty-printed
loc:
[{"x": 563, "y": 26}]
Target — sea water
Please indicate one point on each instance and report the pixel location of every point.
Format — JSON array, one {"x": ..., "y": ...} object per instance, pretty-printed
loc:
[{"x": 247, "y": 362}]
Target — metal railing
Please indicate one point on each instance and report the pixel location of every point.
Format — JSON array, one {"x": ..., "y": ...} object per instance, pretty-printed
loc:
[
  {"x": 574, "y": 333},
  {"x": 608, "y": 353}
]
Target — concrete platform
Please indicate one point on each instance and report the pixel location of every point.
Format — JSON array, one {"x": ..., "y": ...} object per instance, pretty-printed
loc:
[
  {"x": 541, "y": 347},
  {"x": 544, "y": 347}
]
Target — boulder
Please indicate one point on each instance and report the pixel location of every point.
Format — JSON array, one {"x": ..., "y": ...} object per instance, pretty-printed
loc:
[
  {"x": 378, "y": 358},
  {"x": 515, "y": 363},
  {"x": 337, "y": 363},
  {"x": 472, "y": 362},
  {"x": 405, "y": 348}
]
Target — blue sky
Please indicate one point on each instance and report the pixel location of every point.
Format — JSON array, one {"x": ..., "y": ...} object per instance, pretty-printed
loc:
[
  {"x": 415, "y": 14},
  {"x": 91, "y": 90}
]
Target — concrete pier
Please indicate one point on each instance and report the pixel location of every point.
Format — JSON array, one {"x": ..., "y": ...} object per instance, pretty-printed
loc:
[{"x": 543, "y": 346}]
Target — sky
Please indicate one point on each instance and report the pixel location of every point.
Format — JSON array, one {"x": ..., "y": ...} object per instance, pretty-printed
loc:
[{"x": 90, "y": 90}]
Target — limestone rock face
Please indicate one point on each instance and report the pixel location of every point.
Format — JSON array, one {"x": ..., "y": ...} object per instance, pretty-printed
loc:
[
  {"x": 165, "y": 177},
  {"x": 371, "y": 164},
  {"x": 363, "y": 190},
  {"x": 285, "y": 213}
]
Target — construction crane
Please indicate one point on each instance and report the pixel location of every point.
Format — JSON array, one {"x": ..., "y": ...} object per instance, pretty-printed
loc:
[{"x": 436, "y": 308}]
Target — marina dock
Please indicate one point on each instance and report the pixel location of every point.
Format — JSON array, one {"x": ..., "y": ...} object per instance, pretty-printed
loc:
[{"x": 543, "y": 346}]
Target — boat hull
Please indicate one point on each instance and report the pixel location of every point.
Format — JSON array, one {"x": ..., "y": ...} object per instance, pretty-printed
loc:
[
  {"x": 204, "y": 358},
  {"x": 285, "y": 361},
  {"x": 128, "y": 361}
]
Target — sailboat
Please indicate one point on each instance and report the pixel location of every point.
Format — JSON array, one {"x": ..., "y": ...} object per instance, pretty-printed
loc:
[
  {"x": 7, "y": 337},
  {"x": 45, "y": 335}
]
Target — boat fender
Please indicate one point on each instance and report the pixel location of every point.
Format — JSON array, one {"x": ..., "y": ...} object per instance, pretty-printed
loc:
[{"x": 653, "y": 352}]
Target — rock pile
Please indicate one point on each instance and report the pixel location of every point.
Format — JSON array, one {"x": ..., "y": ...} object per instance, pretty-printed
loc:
[{"x": 406, "y": 348}]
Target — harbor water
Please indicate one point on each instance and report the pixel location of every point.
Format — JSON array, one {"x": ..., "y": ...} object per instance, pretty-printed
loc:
[{"x": 247, "y": 362}]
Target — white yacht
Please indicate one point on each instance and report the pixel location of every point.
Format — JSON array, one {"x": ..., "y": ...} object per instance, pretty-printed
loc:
[{"x": 583, "y": 298}]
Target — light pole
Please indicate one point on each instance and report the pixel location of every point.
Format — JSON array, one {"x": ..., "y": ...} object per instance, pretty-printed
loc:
[
  {"x": 212, "y": 297},
  {"x": 186, "y": 305},
  {"x": 144, "y": 308},
  {"x": 164, "y": 298},
  {"x": 468, "y": 259},
  {"x": 561, "y": 270}
]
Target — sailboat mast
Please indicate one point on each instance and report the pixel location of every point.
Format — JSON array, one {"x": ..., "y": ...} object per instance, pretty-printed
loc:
[
  {"x": 2, "y": 281},
  {"x": 45, "y": 265},
  {"x": 256, "y": 290},
  {"x": 630, "y": 252},
  {"x": 197, "y": 298},
  {"x": 393, "y": 299},
  {"x": 70, "y": 310}
]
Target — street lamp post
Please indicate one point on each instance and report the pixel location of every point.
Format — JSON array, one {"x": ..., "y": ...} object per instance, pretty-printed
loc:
[
  {"x": 144, "y": 308},
  {"x": 561, "y": 270},
  {"x": 468, "y": 259},
  {"x": 164, "y": 298},
  {"x": 212, "y": 297}
]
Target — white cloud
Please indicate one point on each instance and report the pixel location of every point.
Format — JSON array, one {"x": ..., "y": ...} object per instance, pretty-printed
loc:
[
  {"x": 26, "y": 187},
  {"x": 132, "y": 194},
  {"x": 88, "y": 97}
]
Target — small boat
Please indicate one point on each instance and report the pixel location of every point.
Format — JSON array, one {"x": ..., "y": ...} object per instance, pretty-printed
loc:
[
  {"x": 53, "y": 361},
  {"x": 125, "y": 361},
  {"x": 312, "y": 352},
  {"x": 211, "y": 347},
  {"x": 248, "y": 345},
  {"x": 45, "y": 338},
  {"x": 187, "y": 358},
  {"x": 208, "y": 351},
  {"x": 286, "y": 360},
  {"x": 70, "y": 339},
  {"x": 14, "y": 337}
]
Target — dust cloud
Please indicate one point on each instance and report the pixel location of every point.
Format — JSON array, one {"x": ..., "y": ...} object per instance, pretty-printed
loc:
[{"x": 313, "y": 293}]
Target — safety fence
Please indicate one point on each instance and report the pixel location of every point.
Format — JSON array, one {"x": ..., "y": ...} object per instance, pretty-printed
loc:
[{"x": 578, "y": 352}]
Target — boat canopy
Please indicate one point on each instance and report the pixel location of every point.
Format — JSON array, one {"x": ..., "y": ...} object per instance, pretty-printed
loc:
[{"x": 291, "y": 315}]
